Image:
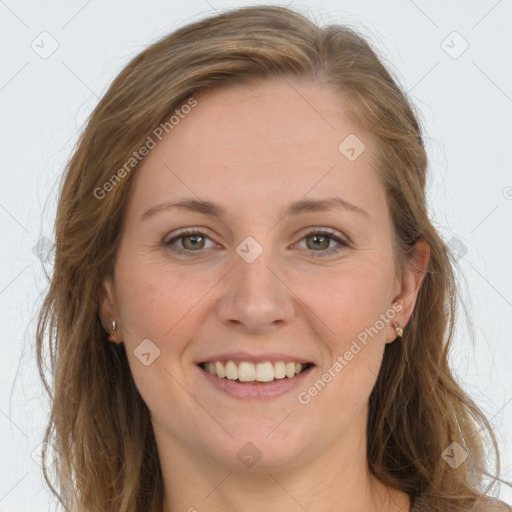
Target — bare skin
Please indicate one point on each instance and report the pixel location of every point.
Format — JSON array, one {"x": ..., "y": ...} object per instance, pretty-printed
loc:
[{"x": 253, "y": 151}]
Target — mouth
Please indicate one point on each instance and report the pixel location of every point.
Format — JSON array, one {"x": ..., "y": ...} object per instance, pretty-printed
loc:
[{"x": 261, "y": 373}]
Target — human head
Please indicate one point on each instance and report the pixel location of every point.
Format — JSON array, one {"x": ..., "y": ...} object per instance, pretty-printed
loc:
[{"x": 414, "y": 398}]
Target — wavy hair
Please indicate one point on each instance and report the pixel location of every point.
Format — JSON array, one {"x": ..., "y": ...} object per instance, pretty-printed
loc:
[{"x": 99, "y": 427}]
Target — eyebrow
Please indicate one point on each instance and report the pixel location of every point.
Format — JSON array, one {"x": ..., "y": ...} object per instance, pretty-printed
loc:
[{"x": 295, "y": 208}]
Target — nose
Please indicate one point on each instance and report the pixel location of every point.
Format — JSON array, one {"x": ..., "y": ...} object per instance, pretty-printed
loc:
[{"x": 255, "y": 297}]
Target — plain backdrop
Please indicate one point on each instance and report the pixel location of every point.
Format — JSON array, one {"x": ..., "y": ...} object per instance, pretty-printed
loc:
[{"x": 453, "y": 59}]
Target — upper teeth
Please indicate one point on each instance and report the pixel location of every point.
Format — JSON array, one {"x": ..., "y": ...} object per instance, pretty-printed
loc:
[{"x": 250, "y": 372}]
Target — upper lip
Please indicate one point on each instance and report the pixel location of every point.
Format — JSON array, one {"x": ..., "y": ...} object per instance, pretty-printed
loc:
[{"x": 238, "y": 357}]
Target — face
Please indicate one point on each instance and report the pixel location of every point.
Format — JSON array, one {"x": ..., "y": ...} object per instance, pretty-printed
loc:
[{"x": 291, "y": 261}]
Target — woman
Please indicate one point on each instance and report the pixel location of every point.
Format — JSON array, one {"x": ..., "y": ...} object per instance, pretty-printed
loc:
[{"x": 250, "y": 308}]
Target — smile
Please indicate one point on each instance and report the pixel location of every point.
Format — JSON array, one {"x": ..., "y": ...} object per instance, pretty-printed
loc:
[{"x": 245, "y": 371}]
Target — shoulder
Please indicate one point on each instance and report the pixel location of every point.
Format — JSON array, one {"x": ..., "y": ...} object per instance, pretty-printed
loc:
[{"x": 422, "y": 503}]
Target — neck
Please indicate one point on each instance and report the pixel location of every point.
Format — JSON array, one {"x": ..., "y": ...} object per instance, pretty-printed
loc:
[{"x": 193, "y": 483}]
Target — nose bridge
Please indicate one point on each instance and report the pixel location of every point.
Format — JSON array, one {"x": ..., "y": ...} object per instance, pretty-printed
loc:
[
  {"x": 255, "y": 296},
  {"x": 253, "y": 266},
  {"x": 253, "y": 275}
]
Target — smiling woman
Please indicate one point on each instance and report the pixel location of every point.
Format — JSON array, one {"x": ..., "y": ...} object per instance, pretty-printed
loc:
[{"x": 259, "y": 314}]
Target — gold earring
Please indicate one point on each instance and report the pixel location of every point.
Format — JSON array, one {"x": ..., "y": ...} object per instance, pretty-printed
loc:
[
  {"x": 112, "y": 334},
  {"x": 398, "y": 329}
]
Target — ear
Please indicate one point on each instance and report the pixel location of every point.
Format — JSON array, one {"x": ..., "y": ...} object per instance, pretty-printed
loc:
[
  {"x": 409, "y": 284},
  {"x": 108, "y": 307}
]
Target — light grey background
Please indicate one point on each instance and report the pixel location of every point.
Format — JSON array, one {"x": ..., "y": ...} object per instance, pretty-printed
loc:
[{"x": 465, "y": 102}]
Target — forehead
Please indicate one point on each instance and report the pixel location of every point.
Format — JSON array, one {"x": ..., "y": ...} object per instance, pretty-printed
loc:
[{"x": 271, "y": 140}]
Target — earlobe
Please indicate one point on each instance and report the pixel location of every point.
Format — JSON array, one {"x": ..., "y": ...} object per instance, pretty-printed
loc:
[
  {"x": 107, "y": 307},
  {"x": 412, "y": 278}
]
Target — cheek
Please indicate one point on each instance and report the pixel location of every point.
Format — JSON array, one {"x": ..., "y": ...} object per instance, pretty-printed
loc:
[
  {"x": 161, "y": 303},
  {"x": 155, "y": 297},
  {"x": 355, "y": 306},
  {"x": 350, "y": 300},
  {"x": 154, "y": 301},
  {"x": 355, "y": 346}
]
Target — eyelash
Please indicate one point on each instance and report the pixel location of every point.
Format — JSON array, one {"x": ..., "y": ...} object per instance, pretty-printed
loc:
[{"x": 342, "y": 243}]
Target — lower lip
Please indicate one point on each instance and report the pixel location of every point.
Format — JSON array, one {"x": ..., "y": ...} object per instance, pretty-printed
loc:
[{"x": 246, "y": 391}]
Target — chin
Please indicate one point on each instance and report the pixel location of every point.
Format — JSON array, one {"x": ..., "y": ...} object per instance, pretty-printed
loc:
[{"x": 267, "y": 445}]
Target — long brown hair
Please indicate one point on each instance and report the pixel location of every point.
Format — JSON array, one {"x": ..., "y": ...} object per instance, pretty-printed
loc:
[{"x": 99, "y": 426}]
